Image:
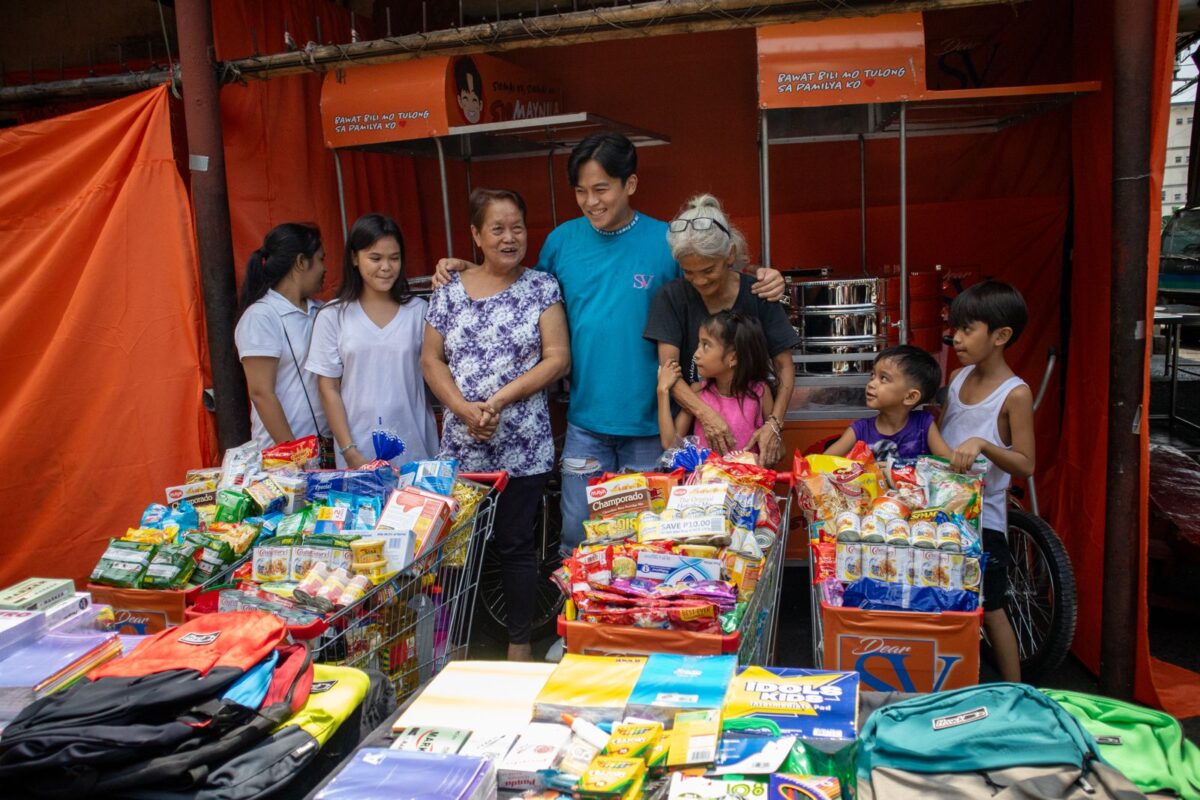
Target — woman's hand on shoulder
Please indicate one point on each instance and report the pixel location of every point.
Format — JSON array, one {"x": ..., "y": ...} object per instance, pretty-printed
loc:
[
  {"x": 443, "y": 273},
  {"x": 770, "y": 284}
]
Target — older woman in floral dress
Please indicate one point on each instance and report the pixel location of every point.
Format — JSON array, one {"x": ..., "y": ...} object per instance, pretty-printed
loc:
[{"x": 495, "y": 338}]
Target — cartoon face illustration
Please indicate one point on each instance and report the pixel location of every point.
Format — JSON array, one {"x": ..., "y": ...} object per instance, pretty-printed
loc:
[{"x": 468, "y": 85}]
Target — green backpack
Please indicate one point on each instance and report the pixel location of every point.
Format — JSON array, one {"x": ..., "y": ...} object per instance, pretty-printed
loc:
[{"x": 1147, "y": 745}]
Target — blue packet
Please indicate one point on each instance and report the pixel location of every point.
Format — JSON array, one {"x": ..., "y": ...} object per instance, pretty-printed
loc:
[
  {"x": 432, "y": 476},
  {"x": 869, "y": 593},
  {"x": 378, "y": 481}
]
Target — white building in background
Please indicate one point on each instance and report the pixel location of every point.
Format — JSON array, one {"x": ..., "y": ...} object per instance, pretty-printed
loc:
[{"x": 1179, "y": 140}]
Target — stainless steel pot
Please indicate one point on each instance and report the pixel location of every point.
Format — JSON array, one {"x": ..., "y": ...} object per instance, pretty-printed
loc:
[
  {"x": 872, "y": 323},
  {"x": 843, "y": 295},
  {"x": 835, "y": 346}
]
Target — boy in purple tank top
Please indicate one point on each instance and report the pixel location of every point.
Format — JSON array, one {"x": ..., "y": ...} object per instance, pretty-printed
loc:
[{"x": 902, "y": 378}]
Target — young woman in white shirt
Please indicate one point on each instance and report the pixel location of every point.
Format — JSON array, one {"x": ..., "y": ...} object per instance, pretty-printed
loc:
[
  {"x": 366, "y": 350},
  {"x": 277, "y": 311}
]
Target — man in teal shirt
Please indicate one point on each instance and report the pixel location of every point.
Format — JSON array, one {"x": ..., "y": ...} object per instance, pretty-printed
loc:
[{"x": 610, "y": 263}]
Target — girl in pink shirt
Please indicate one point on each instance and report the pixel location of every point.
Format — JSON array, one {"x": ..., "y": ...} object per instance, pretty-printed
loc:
[{"x": 734, "y": 366}]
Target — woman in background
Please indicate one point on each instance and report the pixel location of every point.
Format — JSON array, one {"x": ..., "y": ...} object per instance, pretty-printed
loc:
[{"x": 277, "y": 310}]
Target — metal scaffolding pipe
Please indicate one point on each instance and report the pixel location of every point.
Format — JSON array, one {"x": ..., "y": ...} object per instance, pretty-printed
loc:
[
  {"x": 1133, "y": 53},
  {"x": 764, "y": 185},
  {"x": 660, "y": 18},
  {"x": 210, "y": 204},
  {"x": 441, "y": 154}
]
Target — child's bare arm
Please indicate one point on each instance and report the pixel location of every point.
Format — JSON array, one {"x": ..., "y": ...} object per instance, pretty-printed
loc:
[
  {"x": 936, "y": 444},
  {"x": 843, "y": 445},
  {"x": 1018, "y": 460},
  {"x": 668, "y": 376}
]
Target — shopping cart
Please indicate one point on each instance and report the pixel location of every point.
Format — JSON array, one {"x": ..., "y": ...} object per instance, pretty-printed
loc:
[
  {"x": 753, "y": 641},
  {"x": 410, "y": 626}
]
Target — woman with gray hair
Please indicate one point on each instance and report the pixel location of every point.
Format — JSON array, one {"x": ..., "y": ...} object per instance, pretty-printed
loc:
[{"x": 712, "y": 254}]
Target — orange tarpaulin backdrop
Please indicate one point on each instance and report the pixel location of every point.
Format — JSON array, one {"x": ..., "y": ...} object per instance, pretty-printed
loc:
[
  {"x": 277, "y": 166},
  {"x": 100, "y": 368}
]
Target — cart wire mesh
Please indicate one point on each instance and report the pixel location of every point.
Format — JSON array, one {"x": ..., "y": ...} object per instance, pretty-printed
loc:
[
  {"x": 760, "y": 623},
  {"x": 411, "y": 625}
]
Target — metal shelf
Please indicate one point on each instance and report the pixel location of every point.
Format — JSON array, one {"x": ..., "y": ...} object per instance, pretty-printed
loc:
[
  {"x": 806, "y": 381},
  {"x": 819, "y": 358},
  {"x": 937, "y": 113},
  {"x": 829, "y": 413},
  {"x": 523, "y": 138}
]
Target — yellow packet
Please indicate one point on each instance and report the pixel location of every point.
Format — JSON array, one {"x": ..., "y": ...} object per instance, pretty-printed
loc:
[
  {"x": 633, "y": 739},
  {"x": 148, "y": 536},
  {"x": 694, "y": 738},
  {"x": 612, "y": 777}
]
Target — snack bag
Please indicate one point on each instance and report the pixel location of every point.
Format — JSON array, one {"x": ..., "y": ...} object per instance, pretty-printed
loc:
[
  {"x": 239, "y": 466},
  {"x": 951, "y": 491},
  {"x": 373, "y": 479},
  {"x": 174, "y": 521},
  {"x": 468, "y": 495},
  {"x": 612, "y": 529},
  {"x": 824, "y": 558},
  {"x": 123, "y": 563},
  {"x": 232, "y": 505},
  {"x": 862, "y": 454},
  {"x": 147, "y": 535},
  {"x": 171, "y": 567},
  {"x": 212, "y": 555},
  {"x": 735, "y": 469},
  {"x": 295, "y": 454},
  {"x": 905, "y": 484},
  {"x": 239, "y": 536},
  {"x": 828, "y": 485}
]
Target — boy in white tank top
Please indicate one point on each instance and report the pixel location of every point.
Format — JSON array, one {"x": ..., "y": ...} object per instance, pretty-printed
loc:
[{"x": 989, "y": 412}]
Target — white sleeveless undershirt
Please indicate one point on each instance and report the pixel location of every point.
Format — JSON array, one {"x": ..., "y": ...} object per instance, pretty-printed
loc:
[{"x": 962, "y": 421}]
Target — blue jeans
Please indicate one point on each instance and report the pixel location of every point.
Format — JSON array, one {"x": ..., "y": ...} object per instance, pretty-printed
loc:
[{"x": 587, "y": 455}]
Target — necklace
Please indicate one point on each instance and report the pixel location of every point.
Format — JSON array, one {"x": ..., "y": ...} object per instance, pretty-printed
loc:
[{"x": 623, "y": 229}]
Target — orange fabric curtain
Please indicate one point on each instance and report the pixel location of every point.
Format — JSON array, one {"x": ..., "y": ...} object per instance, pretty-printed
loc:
[{"x": 101, "y": 322}]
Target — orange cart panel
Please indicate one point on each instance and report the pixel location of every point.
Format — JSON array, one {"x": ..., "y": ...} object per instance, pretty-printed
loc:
[{"x": 903, "y": 651}]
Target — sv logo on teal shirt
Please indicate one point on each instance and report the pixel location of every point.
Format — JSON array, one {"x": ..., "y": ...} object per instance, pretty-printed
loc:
[{"x": 642, "y": 281}]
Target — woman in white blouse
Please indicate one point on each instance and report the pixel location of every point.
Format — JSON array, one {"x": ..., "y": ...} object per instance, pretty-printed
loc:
[
  {"x": 277, "y": 312},
  {"x": 366, "y": 350}
]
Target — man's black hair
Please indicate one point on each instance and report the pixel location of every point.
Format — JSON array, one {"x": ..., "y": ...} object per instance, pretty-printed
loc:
[
  {"x": 917, "y": 366},
  {"x": 463, "y": 67},
  {"x": 615, "y": 154},
  {"x": 995, "y": 304}
]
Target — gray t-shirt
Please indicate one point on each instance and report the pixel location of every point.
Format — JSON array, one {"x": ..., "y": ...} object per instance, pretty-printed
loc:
[{"x": 678, "y": 310}]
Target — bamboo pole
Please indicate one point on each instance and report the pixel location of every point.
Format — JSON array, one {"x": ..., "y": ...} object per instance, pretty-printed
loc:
[{"x": 661, "y": 18}]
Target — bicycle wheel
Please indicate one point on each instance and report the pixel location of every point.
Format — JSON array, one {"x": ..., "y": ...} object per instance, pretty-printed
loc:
[
  {"x": 1041, "y": 597},
  {"x": 492, "y": 613}
]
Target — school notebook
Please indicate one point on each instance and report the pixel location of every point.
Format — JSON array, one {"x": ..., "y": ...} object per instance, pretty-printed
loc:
[{"x": 381, "y": 774}]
